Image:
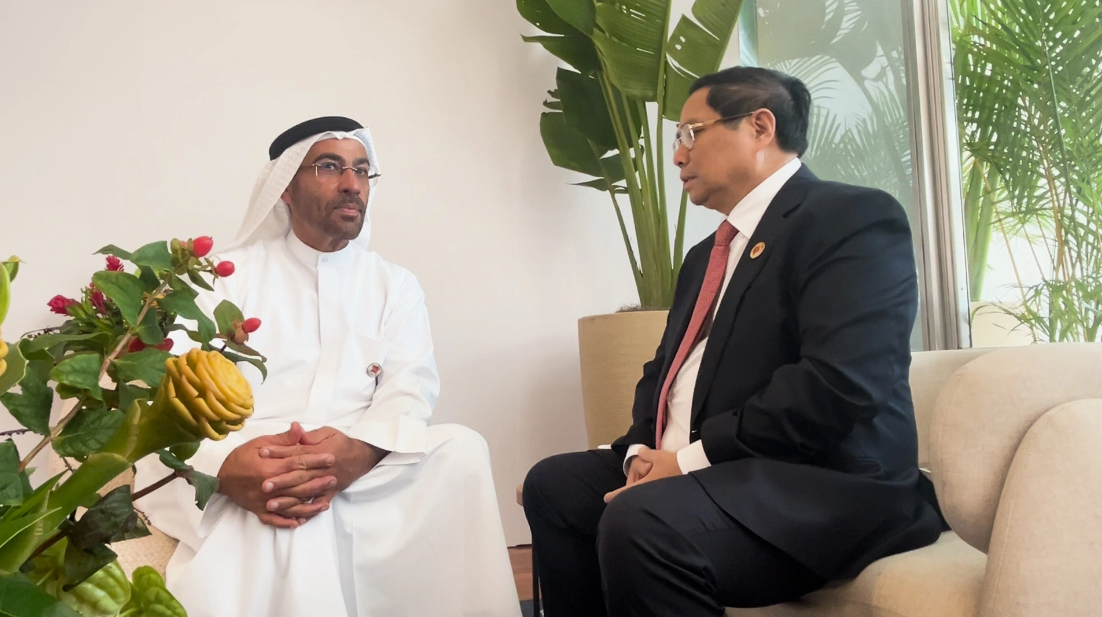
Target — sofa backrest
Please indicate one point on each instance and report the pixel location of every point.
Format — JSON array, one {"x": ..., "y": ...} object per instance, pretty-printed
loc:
[
  {"x": 982, "y": 413},
  {"x": 929, "y": 372}
]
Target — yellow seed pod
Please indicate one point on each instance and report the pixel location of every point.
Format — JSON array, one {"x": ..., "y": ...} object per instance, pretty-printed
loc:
[{"x": 207, "y": 392}]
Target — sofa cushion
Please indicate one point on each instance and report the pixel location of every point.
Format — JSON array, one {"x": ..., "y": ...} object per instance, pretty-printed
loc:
[
  {"x": 983, "y": 413},
  {"x": 940, "y": 580},
  {"x": 1048, "y": 532}
]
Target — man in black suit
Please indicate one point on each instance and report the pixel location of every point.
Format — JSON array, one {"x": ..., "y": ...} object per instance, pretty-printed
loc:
[{"x": 773, "y": 447}]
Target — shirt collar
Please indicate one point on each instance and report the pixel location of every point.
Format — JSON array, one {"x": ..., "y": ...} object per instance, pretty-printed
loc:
[
  {"x": 313, "y": 258},
  {"x": 747, "y": 214}
]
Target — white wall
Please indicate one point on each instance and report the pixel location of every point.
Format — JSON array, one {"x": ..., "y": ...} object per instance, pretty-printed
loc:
[{"x": 127, "y": 122}]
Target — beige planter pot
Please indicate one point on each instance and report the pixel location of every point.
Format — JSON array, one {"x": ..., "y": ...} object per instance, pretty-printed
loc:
[{"x": 613, "y": 349}]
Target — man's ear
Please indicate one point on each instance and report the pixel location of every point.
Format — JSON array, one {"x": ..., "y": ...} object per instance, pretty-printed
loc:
[
  {"x": 286, "y": 196},
  {"x": 765, "y": 124}
]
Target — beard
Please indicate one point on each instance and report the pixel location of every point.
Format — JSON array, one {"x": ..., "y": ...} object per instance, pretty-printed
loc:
[{"x": 342, "y": 226}]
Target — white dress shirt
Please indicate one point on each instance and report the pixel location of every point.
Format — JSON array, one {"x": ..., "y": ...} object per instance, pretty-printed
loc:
[{"x": 745, "y": 217}]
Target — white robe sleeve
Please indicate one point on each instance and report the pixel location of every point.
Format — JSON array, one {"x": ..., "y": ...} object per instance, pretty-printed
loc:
[{"x": 409, "y": 384}]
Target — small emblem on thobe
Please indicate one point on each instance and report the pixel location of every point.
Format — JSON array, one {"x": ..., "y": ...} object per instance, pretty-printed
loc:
[
  {"x": 374, "y": 371},
  {"x": 758, "y": 249}
]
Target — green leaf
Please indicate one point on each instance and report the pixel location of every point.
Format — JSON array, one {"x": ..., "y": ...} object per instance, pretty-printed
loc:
[
  {"x": 205, "y": 487},
  {"x": 31, "y": 407},
  {"x": 12, "y": 266},
  {"x": 567, "y": 147},
  {"x": 226, "y": 314},
  {"x": 146, "y": 366},
  {"x": 139, "y": 530},
  {"x": 629, "y": 37},
  {"x": 80, "y": 371},
  {"x": 184, "y": 451},
  {"x": 173, "y": 462},
  {"x": 149, "y": 331},
  {"x": 183, "y": 304},
  {"x": 20, "y": 597},
  {"x": 5, "y": 293},
  {"x": 16, "y": 368},
  {"x": 257, "y": 362},
  {"x": 11, "y": 479},
  {"x": 111, "y": 516},
  {"x": 150, "y": 598},
  {"x": 574, "y": 49},
  {"x": 198, "y": 280},
  {"x": 129, "y": 393},
  {"x": 49, "y": 341},
  {"x": 154, "y": 255},
  {"x": 82, "y": 563},
  {"x": 88, "y": 432},
  {"x": 584, "y": 109},
  {"x": 540, "y": 14},
  {"x": 111, "y": 249},
  {"x": 148, "y": 279},
  {"x": 124, "y": 289},
  {"x": 697, "y": 49},
  {"x": 578, "y": 13}
]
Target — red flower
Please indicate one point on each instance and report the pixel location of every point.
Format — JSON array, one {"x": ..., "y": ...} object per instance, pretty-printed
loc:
[
  {"x": 114, "y": 264},
  {"x": 201, "y": 246},
  {"x": 137, "y": 345},
  {"x": 251, "y": 325},
  {"x": 224, "y": 269},
  {"x": 97, "y": 299},
  {"x": 60, "y": 304}
]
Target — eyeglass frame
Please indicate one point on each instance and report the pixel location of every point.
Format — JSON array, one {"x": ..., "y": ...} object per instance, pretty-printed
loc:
[
  {"x": 372, "y": 178},
  {"x": 699, "y": 125}
]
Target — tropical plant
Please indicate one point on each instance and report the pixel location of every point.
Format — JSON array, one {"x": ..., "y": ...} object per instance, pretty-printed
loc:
[
  {"x": 598, "y": 122},
  {"x": 849, "y": 53},
  {"x": 1029, "y": 97},
  {"x": 125, "y": 396}
]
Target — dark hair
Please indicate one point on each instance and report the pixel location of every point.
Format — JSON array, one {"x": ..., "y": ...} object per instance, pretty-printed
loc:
[{"x": 743, "y": 89}]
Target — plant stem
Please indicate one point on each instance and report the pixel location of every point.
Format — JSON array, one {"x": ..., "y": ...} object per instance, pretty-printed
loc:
[
  {"x": 46, "y": 545},
  {"x": 18, "y": 431},
  {"x": 158, "y": 484},
  {"x": 69, "y": 414},
  {"x": 123, "y": 343}
]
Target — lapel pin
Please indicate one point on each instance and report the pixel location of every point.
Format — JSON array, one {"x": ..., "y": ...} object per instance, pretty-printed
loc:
[
  {"x": 758, "y": 249},
  {"x": 374, "y": 371}
]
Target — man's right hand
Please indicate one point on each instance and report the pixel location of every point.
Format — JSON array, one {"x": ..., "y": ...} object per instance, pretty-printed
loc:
[
  {"x": 638, "y": 470},
  {"x": 244, "y": 472}
]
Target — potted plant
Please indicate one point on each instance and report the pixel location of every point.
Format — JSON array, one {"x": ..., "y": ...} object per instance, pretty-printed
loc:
[
  {"x": 125, "y": 396},
  {"x": 626, "y": 75}
]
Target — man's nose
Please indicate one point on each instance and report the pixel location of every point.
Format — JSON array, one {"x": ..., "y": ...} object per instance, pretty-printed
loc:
[{"x": 349, "y": 182}]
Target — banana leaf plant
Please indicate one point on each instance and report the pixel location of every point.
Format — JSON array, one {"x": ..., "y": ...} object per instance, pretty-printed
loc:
[{"x": 622, "y": 63}]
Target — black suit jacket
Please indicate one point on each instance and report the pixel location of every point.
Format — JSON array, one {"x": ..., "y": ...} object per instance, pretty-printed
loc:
[{"x": 802, "y": 400}]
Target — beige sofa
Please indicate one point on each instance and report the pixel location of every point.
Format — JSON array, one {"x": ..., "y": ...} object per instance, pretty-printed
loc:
[{"x": 1012, "y": 440}]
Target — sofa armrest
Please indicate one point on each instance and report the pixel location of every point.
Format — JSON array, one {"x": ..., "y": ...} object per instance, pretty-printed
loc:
[{"x": 1047, "y": 536}]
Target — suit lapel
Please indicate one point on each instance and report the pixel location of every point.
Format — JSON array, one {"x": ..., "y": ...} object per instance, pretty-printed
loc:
[{"x": 772, "y": 225}]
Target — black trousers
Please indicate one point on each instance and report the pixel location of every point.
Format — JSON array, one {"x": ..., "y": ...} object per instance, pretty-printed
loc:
[{"x": 662, "y": 548}]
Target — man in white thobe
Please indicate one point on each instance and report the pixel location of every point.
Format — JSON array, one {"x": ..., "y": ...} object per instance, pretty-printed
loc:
[{"x": 337, "y": 497}]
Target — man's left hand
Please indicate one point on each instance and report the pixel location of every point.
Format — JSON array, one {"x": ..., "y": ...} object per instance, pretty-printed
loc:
[
  {"x": 662, "y": 465},
  {"x": 353, "y": 459}
]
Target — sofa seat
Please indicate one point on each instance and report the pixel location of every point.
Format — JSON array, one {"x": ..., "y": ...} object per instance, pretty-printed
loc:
[{"x": 941, "y": 580}]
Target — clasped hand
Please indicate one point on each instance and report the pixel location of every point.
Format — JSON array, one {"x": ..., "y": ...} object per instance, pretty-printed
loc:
[
  {"x": 289, "y": 478},
  {"x": 647, "y": 466}
]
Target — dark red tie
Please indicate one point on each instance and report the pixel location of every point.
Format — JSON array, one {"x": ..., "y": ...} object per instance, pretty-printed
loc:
[{"x": 713, "y": 281}]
